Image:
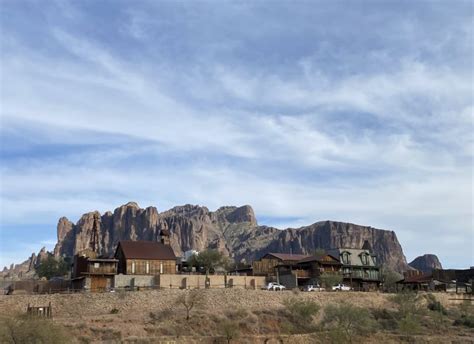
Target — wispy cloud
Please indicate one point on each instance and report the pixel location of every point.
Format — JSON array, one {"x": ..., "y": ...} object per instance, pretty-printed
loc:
[{"x": 168, "y": 104}]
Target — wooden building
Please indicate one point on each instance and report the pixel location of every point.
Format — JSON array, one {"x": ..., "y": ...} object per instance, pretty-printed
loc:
[
  {"x": 360, "y": 267},
  {"x": 266, "y": 266},
  {"x": 308, "y": 270},
  {"x": 145, "y": 258},
  {"x": 92, "y": 273}
]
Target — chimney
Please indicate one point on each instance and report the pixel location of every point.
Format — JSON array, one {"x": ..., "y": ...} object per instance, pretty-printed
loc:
[{"x": 165, "y": 236}]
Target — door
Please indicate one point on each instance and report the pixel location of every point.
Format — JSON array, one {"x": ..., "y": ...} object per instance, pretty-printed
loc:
[{"x": 98, "y": 283}]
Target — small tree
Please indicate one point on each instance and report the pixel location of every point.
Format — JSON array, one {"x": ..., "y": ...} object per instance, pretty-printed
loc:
[
  {"x": 329, "y": 279},
  {"x": 189, "y": 300},
  {"x": 230, "y": 330},
  {"x": 208, "y": 260},
  {"x": 52, "y": 267},
  {"x": 348, "y": 319},
  {"x": 390, "y": 279}
]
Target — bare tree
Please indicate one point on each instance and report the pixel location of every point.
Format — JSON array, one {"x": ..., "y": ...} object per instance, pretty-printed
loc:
[{"x": 189, "y": 300}]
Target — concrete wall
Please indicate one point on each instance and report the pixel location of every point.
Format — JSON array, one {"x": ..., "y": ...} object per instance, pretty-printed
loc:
[
  {"x": 215, "y": 281},
  {"x": 188, "y": 281},
  {"x": 121, "y": 281}
]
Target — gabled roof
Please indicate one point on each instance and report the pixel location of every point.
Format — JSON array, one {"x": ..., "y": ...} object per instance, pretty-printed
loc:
[
  {"x": 146, "y": 250},
  {"x": 424, "y": 278},
  {"x": 288, "y": 256},
  {"x": 317, "y": 258}
]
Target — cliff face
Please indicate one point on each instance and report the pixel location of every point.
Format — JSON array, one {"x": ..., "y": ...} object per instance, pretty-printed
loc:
[
  {"x": 426, "y": 263},
  {"x": 231, "y": 230}
]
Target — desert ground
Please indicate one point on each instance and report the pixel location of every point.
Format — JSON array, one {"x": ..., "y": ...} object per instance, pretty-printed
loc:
[{"x": 245, "y": 316}]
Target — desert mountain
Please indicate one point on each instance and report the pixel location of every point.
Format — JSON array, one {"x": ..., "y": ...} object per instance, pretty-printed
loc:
[
  {"x": 232, "y": 230},
  {"x": 426, "y": 263}
]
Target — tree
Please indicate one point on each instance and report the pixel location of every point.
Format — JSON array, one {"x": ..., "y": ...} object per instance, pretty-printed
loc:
[
  {"x": 329, "y": 279},
  {"x": 390, "y": 279},
  {"x": 319, "y": 251},
  {"x": 189, "y": 300},
  {"x": 349, "y": 320},
  {"x": 52, "y": 267},
  {"x": 208, "y": 260}
]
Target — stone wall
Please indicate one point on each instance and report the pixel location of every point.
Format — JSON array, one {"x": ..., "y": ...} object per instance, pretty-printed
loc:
[{"x": 215, "y": 281}]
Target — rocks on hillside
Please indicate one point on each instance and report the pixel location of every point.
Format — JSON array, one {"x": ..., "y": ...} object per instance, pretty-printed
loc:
[
  {"x": 231, "y": 230},
  {"x": 426, "y": 263}
]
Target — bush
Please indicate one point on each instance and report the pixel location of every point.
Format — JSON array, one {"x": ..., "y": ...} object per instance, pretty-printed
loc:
[
  {"x": 230, "y": 330},
  {"x": 435, "y": 305},
  {"x": 114, "y": 311},
  {"x": 26, "y": 329},
  {"x": 407, "y": 303},
  {"x": 465, "y": 320},
  {"x": 348, "y": 320},
  {"x": 300, "y": 314},
  {"x": 409, "y": 325},
  {"x": 386, "y": 319},
  {"x": 52, "y": 267}
]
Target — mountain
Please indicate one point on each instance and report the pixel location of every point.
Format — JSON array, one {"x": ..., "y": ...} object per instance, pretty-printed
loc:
[
  {"x": 24, "y": 270},
  {"x": 231, "y": 230},
  {"x": 426, "y": 263}
]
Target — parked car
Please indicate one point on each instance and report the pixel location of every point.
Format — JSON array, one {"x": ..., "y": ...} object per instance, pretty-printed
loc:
[
  {"x": 275, "y": 286},
  {"x": 311, "y": 287},
  {"x": 341, "y": 287}
]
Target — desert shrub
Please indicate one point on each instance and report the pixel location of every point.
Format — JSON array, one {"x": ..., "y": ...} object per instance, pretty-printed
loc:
[
  {"x": 230, "y": 329},
  {"x": 434, "y": 305},
  {"x": 465, "y": 320},
  {"x": 385, "y": 318},
  {"x": 300, "y": 314},
  {"x": 114, "y": 311},
  {"x": 29, "y": 329},
  {"x": 407, "y": 303},
  {"x": 409, "y": 325},
  {"x": 348, "y": 320}
]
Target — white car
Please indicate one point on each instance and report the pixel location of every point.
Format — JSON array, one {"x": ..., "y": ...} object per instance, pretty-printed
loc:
[
  {"x": 312, "y": 287},
  {"x": 275, "y": 286},
  {"x": 341, "y": 287}
]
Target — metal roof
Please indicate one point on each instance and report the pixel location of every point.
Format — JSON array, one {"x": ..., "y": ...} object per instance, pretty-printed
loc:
[
  {"x": 151, "y": 250},
  {"x": 288, "y": 256}
]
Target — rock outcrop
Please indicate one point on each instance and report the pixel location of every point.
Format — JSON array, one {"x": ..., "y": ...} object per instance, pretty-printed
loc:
[
  {"x": 26, "y": 269},
  {"x": 426, "y": 263},
  {"x": 231, "y": 230}
]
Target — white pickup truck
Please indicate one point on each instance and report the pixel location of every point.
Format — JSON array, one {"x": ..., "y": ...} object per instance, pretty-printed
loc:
[
  {"x": 275, "y": 286},
  {"x": 341, "y": 287}
]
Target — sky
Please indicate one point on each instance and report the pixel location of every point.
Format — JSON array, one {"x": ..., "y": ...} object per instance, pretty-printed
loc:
[{"x": 356, "y": 111}]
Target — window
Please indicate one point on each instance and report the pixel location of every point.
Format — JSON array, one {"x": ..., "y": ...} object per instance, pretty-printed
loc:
[
  {"x": 345, "y": 257},
  {"x": 133, "y": 267},
  {"x": 161, "y": 267},
  {"x": 147, "y": 268},
  {"x": 96, "y": 265},
  {"x": 365, "y": 258}
]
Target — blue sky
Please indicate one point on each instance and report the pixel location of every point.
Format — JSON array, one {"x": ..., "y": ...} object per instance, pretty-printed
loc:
[{"x": 307, "y": 110}]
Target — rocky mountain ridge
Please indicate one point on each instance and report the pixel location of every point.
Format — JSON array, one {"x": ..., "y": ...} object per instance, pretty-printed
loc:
[
  {"x": 426, "y": 263},
  {"x": 231, "y": 230}
]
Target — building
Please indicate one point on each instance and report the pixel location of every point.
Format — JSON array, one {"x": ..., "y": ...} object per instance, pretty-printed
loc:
[
  {"x": 454, "y": 280},
  {"x": 307, "y": 270},
  {"x": 145, "y": 258},
  {"x": 266, "y": 266},
  {"x": 360, "y": 267},
  {"x": 93, "y": 273}
]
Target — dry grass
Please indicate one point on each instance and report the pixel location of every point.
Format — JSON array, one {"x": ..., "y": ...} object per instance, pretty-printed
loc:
[{"x": 243, "y": 316}]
